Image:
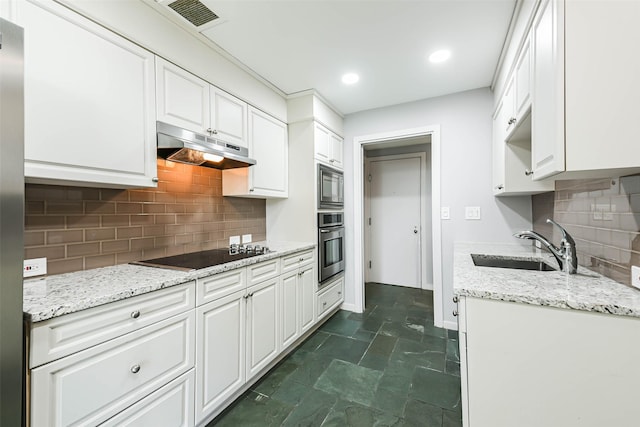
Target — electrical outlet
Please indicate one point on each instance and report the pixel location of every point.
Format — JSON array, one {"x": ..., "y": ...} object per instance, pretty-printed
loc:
[
  {"x": 246, "y": 238},
  {"x": 635, "y": 276},
  {"x": 34, "y": 267},
  {"x": 472, "y": 212},
  {"x": 445, "y": 213},
  {"x": 234, "y": 240}
]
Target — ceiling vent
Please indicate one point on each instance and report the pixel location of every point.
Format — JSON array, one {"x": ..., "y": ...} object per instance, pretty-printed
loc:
[{"x": 193, "y": 11}]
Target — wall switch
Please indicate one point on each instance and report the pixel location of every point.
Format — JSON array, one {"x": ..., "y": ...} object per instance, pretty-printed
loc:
[
  {"x": 246, "y": 238},
  {"x": 34, "y": 267},
  {"x": 234, "y": 240},
  {"x": 445, "y": 213},
  {"x": 472, "y": 212},
  {"x": 635, "y": 276}
]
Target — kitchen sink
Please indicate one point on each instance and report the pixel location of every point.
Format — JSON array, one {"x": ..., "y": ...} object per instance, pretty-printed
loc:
[{"x": 506, "y": 262}]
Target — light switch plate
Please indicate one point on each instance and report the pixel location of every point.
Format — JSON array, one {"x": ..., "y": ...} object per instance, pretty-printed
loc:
[
  {"x": 635, "y": 276},
  {"x": 472, "y": 212},
  {"x": 234, "y": 240},
  {"x": 445, "y": 212},
  {"x": 34, "y": 267},
  {"x": 246, "y": 238}
]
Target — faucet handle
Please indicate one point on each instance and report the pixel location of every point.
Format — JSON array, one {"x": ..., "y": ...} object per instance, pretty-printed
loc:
[{"x": 565, "y": 235}]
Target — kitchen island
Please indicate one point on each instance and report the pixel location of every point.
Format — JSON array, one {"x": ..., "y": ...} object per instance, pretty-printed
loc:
[{"x": 543, "y": 347}]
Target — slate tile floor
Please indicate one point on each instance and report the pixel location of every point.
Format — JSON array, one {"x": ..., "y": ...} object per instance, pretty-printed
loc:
[{"x": 389, "y": 366}]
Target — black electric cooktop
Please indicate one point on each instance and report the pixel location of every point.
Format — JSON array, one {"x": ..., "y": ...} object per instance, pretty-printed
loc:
[{"x": 195, "y": 260}]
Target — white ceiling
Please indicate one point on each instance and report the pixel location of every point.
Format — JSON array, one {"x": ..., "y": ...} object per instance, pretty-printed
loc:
[{"x": 298, "y": 45}]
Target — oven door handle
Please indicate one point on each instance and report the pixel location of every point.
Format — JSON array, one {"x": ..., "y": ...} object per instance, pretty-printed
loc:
[{"x": 326, "y": 231}]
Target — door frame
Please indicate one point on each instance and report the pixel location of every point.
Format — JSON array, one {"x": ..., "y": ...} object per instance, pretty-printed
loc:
[
  {"x": 358, "y": 210},
  {"x": 423, "y": 211}
]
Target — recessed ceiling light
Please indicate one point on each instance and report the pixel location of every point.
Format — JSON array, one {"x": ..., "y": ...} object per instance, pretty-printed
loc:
[
  {"x": 439, "y": 56},
  {"x": 350, "y": 78}
]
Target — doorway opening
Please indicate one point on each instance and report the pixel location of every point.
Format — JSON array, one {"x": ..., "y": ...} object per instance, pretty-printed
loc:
[{"x": 370, "y": 151}]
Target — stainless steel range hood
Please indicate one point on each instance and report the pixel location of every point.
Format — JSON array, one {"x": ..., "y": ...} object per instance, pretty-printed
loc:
[{"x": 184, "y": 146}]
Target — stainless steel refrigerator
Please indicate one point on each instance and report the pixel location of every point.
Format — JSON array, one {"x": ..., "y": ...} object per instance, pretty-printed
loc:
[{"x": 11, "y": 223}]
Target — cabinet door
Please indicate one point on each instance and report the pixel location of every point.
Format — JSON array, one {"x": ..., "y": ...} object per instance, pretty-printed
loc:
[
  {"x": 262, "y": 327},
  {"x": 220, "y": 348},
  {"x": 498, "y": 149},
  {"x": 307, "y": 286},
  {"x": 336, "y": 151},
  {"x": 89, "y": 101},
  {"x": 268, "y": 145},
  {"x": 183, "y": 99},
  {"x": 228, "y": 117},
  {"x": 523, "y": 82},
  {"x": 290, "y": 296},
  {"x": 547, "y": 115},
  {"x": 322, "y": 143}
]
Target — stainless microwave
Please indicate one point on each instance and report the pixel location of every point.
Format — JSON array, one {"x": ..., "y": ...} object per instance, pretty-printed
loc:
[{"x": 330, "y": 188}]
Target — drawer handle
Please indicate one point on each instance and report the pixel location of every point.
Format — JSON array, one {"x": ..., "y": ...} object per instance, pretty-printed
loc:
[
  {"x": 455, "y": 312},
  {"x": 455, "y": 299},
  {"x": 300, "y": 274},
  {"x": 135, "y": 314},
  {"x": 135, "y": 369}
]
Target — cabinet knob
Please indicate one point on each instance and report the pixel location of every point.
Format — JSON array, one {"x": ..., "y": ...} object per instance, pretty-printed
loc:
[
  {"x": 455, "y": 299},
  {"x": 300, "y": 259},
  {"x": 332, "y": 161},
  {"x": 455, "y": 312},
  {"x": 339, "y": 292},
  {"x": 135, "y": 314},
  {"x": 135, "y": 369},
  {"x": 511, "y": 121},
  {"x": 324, "y": 304},
  {"x": 499, "y": 187},
  {"x": 300, "y": 274},
  {"x": 155, "y": 179},
  {"x": 251, "y": 190},
  {"x": 528, "y": 172}
]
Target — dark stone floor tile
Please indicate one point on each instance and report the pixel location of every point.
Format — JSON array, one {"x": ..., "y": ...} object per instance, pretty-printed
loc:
[
  {"x": 363, "y": 335},
  {"x": 452, "y": 334},
  {"x": 374, "y": 361},
  {"x": 350, "y": 382},
  {"x": 255, "y": 410},
  {"x": 433, "y": 331},
  {"x": 422, "y": 414},
  {"x": 341, "y": 326},
  {"x": 402, "y": 329},
  {"x": 372, "y": 324},
  {"x": 272, "y": 380},
  {"x": 347, "y": 349},
  {"x": 400, "y": 369},
  {"x": 351, "y": 414},
  {"x": 435, "y": 388},
  {"x": 395, "y": 383},
  {"x": 291, "y": 392},
  {"x": 311, "y": 367},
  {"x": 389, "y": 402},
  {"x": 389, "y": 314},
  {"x": 451, "y": 419},
  {"x": 452, "y": 368},
  {"x": 314, "y": 341},
  {"x": 382, "y": 345},
  {"x": 419, "y": 354},
  {"x": 435, "y": 343},
  {"x": 453, "y": 352},
  {"x": 312, "y": 410}
]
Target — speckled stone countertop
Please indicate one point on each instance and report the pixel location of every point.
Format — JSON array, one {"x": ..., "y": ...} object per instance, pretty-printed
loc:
[
  {"x": 587, "y": 290},
  {"x": 53, "y": 296}
]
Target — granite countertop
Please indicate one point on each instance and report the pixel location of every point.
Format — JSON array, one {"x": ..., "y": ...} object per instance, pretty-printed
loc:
[
  {"x": 53, "y": 296},
  {"x": 586, "y": 290}
]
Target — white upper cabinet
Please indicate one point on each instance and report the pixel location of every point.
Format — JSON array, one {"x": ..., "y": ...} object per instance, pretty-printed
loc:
[
  {"x": 584, "y": 107},
  {"x": 89, "y": 101},
  {"x": 269, "y": 146},
  {"x": 328, "y": 146},
  {"x": 183, "y": 99},
  {"x": 522, "y": 75},
  {"x": 187, "y": 101}
]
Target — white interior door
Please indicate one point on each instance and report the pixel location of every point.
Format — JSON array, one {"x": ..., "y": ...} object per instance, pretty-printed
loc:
[{"x": 395, "y": 212}]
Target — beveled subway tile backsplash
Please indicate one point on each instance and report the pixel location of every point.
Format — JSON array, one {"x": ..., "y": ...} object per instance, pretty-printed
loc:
[
  {"x": 603, "y": 216},
  {"x": 79, "y": 228}
]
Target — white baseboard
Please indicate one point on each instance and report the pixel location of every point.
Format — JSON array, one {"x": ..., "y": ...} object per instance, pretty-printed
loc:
[
  {"x": 349, "y": 307},
  {"x": 448, "y": 324}
]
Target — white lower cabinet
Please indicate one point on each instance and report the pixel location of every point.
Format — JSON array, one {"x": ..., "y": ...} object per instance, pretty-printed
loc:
[
  {"x": 90, "y": 386},
  {"x": 556, "y": 367},
  {"x": 170, "y": 406},
  {"x": 330, "y": 296},
  {"x": 262, "y": 325},
  {"x": 298, "y": 308},
  {"x": 220, "y": 346}
]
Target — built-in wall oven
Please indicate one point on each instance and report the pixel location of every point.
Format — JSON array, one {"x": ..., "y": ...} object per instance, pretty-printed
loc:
[
  {"x": 330, "y": 188},
  {"x": 330, "y": 244}
]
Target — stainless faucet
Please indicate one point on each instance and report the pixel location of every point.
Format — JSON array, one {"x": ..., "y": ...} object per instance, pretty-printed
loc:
[{"x": 565, "y": 254}]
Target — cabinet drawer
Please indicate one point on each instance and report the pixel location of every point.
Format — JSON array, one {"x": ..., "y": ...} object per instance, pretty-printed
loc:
[
  {"x": 91, "y": 386},
  {"x": 213, "y": 287},
  {"x": 292, "y": 262},
  {"x": 65, "y": 335},
  {"x": 170, "y": 406},
  {"x": 260, "y": 272},
  {"x": 330, "y": 297}
]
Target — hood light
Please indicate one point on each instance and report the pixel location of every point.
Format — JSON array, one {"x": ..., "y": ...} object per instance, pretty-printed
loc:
[{"x": 212, "y": 158}]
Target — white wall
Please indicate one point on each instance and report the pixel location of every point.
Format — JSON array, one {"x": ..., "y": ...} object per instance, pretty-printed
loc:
[{"x": 465, "y": 139}]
